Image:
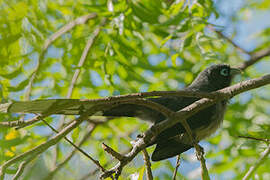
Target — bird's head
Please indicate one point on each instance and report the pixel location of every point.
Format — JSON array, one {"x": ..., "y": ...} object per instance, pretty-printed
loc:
[{"x": 214, "y": 78}]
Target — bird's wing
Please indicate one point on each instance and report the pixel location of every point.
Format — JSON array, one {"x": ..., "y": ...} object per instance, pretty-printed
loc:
[
  {"x": 168, "y": 149},
  {"x": 173, "y": 103},
  {"x": 199, "y": 120}
]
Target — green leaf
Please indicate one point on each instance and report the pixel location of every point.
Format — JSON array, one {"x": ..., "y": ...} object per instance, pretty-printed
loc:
[
  {"x": 188, "y": 41},
  {"x": 12, "y": 74},
  {"x": 144, "y": 14},
  {"x": 141, "y": 173},
  {"x": 20, "y": 86},
  {"x": 173, "y": 58}
]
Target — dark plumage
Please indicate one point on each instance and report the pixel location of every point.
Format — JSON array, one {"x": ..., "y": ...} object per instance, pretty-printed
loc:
[{"x": 174, "y": 140}]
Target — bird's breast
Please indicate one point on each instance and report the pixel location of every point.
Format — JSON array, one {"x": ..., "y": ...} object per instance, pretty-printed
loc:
[{"x": 214, "y": 123}]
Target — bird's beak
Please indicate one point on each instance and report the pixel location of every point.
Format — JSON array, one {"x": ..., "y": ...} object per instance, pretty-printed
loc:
[{"x": 235, "y": 71}]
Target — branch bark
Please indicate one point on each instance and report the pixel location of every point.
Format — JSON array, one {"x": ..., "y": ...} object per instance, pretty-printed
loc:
[
  {"x": 146, "y": 158},
  {"x": 176, "y": 167}
]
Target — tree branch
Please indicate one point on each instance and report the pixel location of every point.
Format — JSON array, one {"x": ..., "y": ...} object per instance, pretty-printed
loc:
[
  {"x": 255, "y": 138},
  {"x": 229, "y": 40},
  {"x": 51, "y": 39},
  {"x": 257, "y": 164},
  {"x": 255, "y": 56},
  {"x": 71, "y": 154},
  {"x": 44, "y": 146},
  {"x": 176, "y": 167},
  {"x": 199, "y": 150},
  {"x": 77, "y": 72},
  {"x": 146, "y": 158},
  {"x": 20, "y": 170}
]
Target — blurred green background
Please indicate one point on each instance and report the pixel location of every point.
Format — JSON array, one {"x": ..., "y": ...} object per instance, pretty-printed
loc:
[{"x": 142, "y": 46}]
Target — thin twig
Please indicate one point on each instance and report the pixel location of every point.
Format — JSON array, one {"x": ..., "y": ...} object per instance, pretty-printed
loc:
[
  {"x": 94, "y": 171},
  {"x": 255, "y": 138},
  {"x": 71, "y": 154},
  {"x": 112, "y": 152},
  {"x": 146, "y": 158},
  {"x": 50, "y": 40},
  {"x": 255, "y": 57},
  {"x": 199, "y": 150},
  {"x": 77, "y": 148},
  {"x": 22, "y": 167},
  {"x": 261, "y": 160},
  {"x": 20, "y": 170},
  {"x": 44, "y": 146},
  {"x": 229, "y": 40},
  {"x": 176, "y": 167}
]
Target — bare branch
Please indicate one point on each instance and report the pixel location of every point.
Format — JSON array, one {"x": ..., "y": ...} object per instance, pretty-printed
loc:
[
  {"x": 255, "y": 138},
  {"x": 112, "y": 152},
  {"x": 22, "y": 167},
  {"x": 77, "y": 148},
  {"x": 20, "y": 170},
  {"x": 176, "y": 167},
  {"x": 257, "y": 164},
  {"x": 44, "y": 146},
  {"x": 50, "y": 40},
  {"x": 94, "y": 171},
  {"x": 77, "y": 72},
  {"x": 146, "y": 158},
  {"x": 71, "y": 154},
  {"x": 20, "y": 123},
  {"x": 229, "y": 40},
  {"x": 199, "y": 151},
  {"x": 255, "y": 57}
]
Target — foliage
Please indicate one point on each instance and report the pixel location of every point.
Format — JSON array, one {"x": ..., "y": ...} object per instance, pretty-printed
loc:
[{"x": 143, "y": 46}]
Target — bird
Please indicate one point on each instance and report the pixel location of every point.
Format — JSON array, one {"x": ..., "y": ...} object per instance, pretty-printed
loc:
[
  {"x": 175, "y": 140},
  {"x": 170, "y": 142}
]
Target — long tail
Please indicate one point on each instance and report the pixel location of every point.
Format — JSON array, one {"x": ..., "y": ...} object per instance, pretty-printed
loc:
[{"x": 75, "y": 107}]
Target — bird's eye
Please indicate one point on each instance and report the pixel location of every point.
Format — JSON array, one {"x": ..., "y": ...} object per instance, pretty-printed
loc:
[{"x": 224, "y": 72}]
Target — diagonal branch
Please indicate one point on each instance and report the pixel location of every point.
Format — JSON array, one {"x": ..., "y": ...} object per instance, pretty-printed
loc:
[
  {"x": 255, "y": 56},
  {"x": 71, "y": 154},
  {"x": 50, "y": 40},
  {"x": 77, "y": 72},
  {"x": 253, "y": 168},
  {"x": 176, "y": 167},
  {"x": 147, "y": 163},
  {"x": 255, "y": 138},
  {"x": 229, "y": 40},
  {"x": 44, "y": 146}
]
